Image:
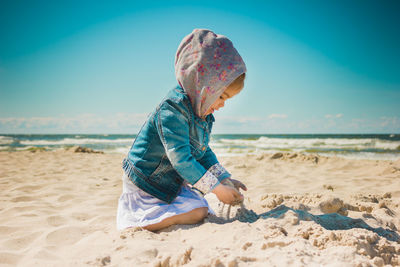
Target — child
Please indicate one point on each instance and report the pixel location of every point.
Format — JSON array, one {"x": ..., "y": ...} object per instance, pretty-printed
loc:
[{"x": 170, "y": 165}]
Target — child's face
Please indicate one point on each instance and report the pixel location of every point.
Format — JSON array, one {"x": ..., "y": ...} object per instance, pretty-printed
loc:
[{"x": 229, "y": 92}]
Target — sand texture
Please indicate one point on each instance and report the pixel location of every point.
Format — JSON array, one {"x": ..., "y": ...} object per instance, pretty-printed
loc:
[{"x": 57, "y": 208}]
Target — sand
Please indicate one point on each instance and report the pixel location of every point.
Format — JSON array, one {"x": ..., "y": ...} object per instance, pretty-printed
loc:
[{"x": 57, "y": 208}]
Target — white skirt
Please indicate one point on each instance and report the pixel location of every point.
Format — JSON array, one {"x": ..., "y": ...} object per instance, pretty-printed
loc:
[{"x": 137, "y": 208}]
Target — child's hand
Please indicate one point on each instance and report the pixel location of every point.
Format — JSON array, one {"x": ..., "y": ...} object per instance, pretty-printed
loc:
[
  {"x": 234, "y": 183},
  {"x": 238, "y": 184},
  {"x": 227, "y": 194}
]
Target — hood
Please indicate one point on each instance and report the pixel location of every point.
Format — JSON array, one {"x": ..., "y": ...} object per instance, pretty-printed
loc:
[{"x": 205, "y": 64}]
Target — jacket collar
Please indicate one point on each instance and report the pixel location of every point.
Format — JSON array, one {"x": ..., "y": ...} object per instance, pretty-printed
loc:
[{"x": 208, "y": 118}]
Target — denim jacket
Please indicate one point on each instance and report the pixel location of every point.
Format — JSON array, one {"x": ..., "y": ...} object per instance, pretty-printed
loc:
[{"x": 172, "y": 148}]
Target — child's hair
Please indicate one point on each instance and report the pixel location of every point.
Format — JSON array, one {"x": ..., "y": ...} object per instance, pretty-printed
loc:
[{"x": 233, "y": 86}]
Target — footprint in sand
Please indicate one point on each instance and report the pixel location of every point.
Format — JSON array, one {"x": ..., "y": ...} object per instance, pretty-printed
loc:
[
  {"x": 63, "y": 188},
  {"x": 65, "y": 198},
  {"x": 66, "y": 235},
  {"x": 56, "y": 220},
  {"x": 21, "y": 242},
  {"x": 23, "y": 199},
  {"x": 101, "y": 220},
  {"x": 28, "y": 188},
  {"x": 79, "y": 216}
]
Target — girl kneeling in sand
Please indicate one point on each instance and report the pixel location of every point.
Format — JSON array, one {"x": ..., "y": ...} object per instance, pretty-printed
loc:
[{"x": 170, "y": 166}]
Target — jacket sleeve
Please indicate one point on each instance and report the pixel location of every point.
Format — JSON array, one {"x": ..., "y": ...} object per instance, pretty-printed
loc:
[
  {"x": 210, "y": 162},
  {"x": 172, "y": 124}
]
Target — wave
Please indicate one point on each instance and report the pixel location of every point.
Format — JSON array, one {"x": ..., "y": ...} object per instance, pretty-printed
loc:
[
  {"x": 304, "y": 143},
  {"x": 5, "y": 140},
  {"x": 228, "y": 152},
  {"x": 356, "y": 146}
]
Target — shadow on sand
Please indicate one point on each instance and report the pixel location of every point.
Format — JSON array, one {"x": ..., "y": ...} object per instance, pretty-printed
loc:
[{"x": 330, "y": 221}]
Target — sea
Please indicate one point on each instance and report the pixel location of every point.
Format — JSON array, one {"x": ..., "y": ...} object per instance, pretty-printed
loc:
[{"x": 359, "y": 146}]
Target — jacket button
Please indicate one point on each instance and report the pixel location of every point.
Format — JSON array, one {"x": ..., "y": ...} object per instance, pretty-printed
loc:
[{"x": 204, "y": 148}]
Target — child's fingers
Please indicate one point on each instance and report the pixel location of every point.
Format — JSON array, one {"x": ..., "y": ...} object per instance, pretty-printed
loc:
[
  {"x": 238, "y": 195},
  {"x": 241, "y": 185},
  {"x": 238, "y": 184}
]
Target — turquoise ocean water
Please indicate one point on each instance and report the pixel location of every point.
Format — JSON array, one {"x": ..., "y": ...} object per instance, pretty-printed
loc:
[{"x": 370, "y": 146}]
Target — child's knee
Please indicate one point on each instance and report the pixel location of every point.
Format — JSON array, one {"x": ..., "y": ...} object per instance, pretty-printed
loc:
[{"x": 200, "y": 213}]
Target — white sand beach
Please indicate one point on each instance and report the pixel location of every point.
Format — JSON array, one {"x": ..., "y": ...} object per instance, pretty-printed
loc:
[{"x": 58, "y": 208}]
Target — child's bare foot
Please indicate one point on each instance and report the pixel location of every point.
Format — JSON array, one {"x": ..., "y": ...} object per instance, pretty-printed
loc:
[{"x": 191, "y": 217}]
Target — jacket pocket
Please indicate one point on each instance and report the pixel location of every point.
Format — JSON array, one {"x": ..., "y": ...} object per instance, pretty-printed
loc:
[
  {"x": 163, "y": 167},
  {"x": 196, "y": 149}
]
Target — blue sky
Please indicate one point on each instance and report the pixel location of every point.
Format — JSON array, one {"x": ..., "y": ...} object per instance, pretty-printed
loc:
[{"x": 102, "y": 66}]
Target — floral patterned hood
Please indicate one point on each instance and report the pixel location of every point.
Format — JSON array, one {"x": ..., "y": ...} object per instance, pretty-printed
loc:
[{"x": 205, "y": 64}]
